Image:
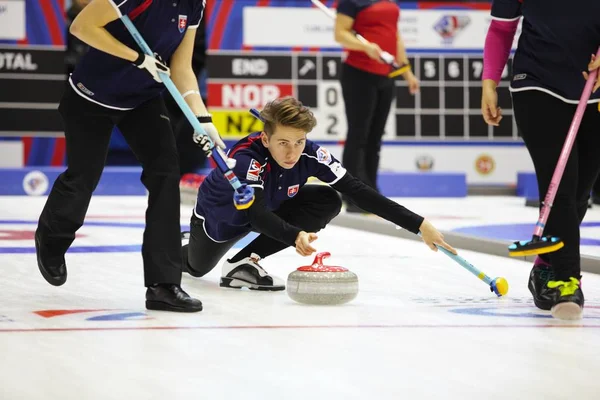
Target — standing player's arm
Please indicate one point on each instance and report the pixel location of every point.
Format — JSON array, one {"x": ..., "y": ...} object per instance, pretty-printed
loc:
[
  {"x": 347, "y": 38},
  {"x": 498, "y": 42},
  {"x": 401, "y": 56},
  {"x": 402, "y": 59},
  {"x": 89, "y": 25},
  {"x": 186, "y": 82},
  {"x": 370, "y": 200},
  {"x": 183, "y": 75}
]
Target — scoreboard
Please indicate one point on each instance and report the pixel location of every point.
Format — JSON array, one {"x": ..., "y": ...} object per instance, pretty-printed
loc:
[
  {"x": 287, "y": 47},
  {"x": 447, "y": 106}
]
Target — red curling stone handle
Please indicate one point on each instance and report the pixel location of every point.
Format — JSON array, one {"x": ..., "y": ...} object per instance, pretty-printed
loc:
[{"x": 317, "y": 265}]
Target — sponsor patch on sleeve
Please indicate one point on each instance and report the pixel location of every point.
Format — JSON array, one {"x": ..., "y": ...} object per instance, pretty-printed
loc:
[
  {"x": 253, "y": 173},
  {"x": 323, "y": 155}
]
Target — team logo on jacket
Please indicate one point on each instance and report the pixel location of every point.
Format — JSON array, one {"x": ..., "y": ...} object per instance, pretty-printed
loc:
[
  {"x": 253, "y": 173},
  {"x": 292, "y": 190},
  {"x": 323, "y": 155},
  {"x": 182, "y": 23}
]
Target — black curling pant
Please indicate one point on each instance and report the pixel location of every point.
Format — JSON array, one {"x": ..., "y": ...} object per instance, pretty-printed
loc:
[
  {"x": 146, "y": 129},
  {"x": 367, "y": 99},
  {"x": 543, "y": 122},
  {"x": 596, "y": 189},
  {"x": 310, "y": 210}
]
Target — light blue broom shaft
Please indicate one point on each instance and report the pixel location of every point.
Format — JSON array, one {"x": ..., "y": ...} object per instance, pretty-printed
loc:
[
  {"x": 233, "y": 180},
  {"x": 467, "y": 265}
]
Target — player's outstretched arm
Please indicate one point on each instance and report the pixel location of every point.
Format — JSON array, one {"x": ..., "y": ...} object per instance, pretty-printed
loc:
[
  {"x": 370, "y": 200},
  {"x": 270, "y": 224}
]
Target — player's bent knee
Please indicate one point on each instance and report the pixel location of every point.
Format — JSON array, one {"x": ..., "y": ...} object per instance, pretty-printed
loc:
[
  {"x": 331, "y": 199},
  {"x": 197, "y": 267}
]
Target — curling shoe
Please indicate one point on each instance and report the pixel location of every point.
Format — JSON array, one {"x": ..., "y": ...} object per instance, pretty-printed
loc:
[
  {"x": 171, "y": 297},
  {"x": 568, "y": 299},
  {"x": 540, "y": 275},
  {"x": 250, "y": 274},
  {"x": 53, "y": 269}
]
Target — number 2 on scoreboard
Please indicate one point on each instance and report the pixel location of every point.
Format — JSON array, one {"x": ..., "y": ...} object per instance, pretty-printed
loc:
[{"x": 333, "y": 120}]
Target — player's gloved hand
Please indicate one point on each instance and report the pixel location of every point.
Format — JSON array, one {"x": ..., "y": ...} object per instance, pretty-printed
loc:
[
  {"x": 594, "y": 64},
  {"x": 303, "y": 241},
  {"x": 492, "y": 114},
  {"x": 202, "y": 141},
  {"x": 153, "y": 65},
  {"x": 432, "y": 236}
]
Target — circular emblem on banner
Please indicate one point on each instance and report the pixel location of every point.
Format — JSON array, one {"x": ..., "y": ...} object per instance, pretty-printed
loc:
[
  {"x": 485, "y": 164},
  {"x": 424, "y": 163},
  {"x": 35, "y": 183}
]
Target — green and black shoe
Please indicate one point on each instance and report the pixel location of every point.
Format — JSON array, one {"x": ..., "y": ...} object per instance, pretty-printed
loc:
[{"x": 568, "y": 299}]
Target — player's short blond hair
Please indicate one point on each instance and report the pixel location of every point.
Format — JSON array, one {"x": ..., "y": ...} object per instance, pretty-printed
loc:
[{"x": 287, "y": 111}]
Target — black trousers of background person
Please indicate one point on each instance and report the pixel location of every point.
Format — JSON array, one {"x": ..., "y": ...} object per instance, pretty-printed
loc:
[
  {"x": 367, "y": 98},
  {"x": 310, "y": 210},
  {"x": 88, "y": 128},
  {"x": 543, "y": 122},
  {"x": 596, "y": 191}
]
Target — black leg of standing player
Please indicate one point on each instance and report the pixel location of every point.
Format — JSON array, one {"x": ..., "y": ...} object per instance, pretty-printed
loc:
[
  {"x": 174, "y": 113},
  {"x": 588, "y": 143},
  {"x": 544, "y": 138},
  {"x": 310, "y": 210},
  {"x": 151, "y": 139},
  {"x": 153, "y": 143},
  {"x": 88, "y": 129},
  {"x": 360, "y": 99},
  {"x": 596, "y": 191},
  {"x": 385, "y": 96}
]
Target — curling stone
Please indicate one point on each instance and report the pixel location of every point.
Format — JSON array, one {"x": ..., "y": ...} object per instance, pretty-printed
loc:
[{"x": 322, "y": 284}]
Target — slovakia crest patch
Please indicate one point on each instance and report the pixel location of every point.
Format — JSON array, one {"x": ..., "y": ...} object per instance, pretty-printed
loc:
[
  {"x": 293, "y": 190},
  {"x": 182, "y": 23}
]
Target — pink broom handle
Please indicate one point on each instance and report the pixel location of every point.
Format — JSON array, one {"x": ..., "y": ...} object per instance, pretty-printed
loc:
[{"x": 566, "y": 151}]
